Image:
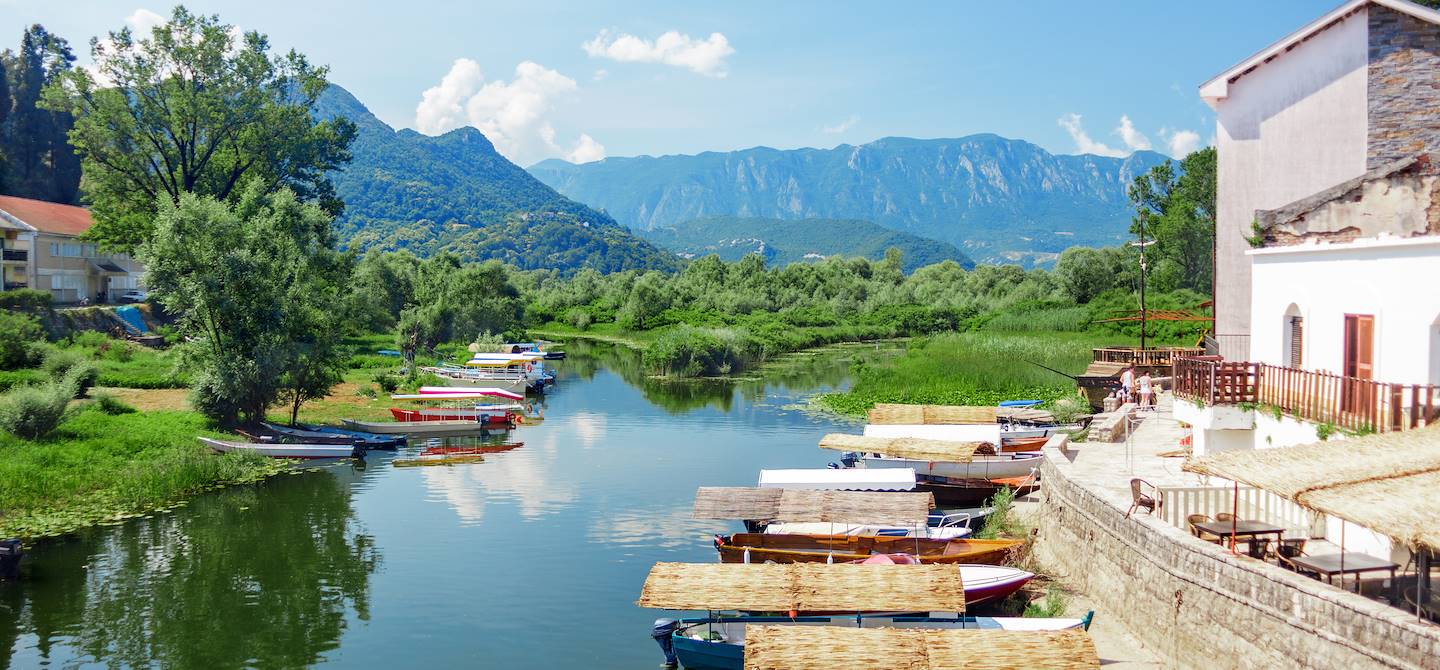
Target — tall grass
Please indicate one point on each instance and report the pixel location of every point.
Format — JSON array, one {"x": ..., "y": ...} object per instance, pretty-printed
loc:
[
  {"x": 974, "y": 368},
  {"x": 98, "y": 466}
]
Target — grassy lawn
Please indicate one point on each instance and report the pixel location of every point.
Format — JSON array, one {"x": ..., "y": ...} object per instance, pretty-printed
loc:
[{"x": 100, "y": 467}]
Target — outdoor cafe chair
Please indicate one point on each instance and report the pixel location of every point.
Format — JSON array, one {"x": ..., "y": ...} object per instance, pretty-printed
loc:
[
  {"x": 1201, "y": 518},
  {"x": 1140, "y": 499}
]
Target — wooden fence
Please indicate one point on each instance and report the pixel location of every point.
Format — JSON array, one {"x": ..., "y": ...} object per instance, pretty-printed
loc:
[
  {"x": 1246, "y": 502},
  {"x": 1355, "y": 404},
  {"x": 1147, "y": 357}
]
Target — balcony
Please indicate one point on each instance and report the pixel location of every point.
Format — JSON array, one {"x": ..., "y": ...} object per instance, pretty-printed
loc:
[
  {"x": 18, "y": 255},
  {"x": 1350, "y": 403},
  {"x": 13, "y": 285}
]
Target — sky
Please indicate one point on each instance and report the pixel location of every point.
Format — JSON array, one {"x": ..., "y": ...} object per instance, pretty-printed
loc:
[{"x": 586, "y": 80}]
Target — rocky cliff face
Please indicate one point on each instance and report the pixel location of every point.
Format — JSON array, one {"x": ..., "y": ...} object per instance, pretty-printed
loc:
[{"x": 997, "y": 198}]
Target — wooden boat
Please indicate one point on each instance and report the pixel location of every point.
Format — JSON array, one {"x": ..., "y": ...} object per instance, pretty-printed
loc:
[
  {"x": 479, "y": 414},
  {"x": 1015, "y": 445},
  {"x": 370, "y": 440},
  {"x": 423, "y": 460},
  {"x": 718, "y": 643},
  {"x": 827, "y": 528},
  {"x": 415, "y": 427},
  {"x": 970, "y": 492},
  {"x": 982, "y": 583},
  {"x": 763, "y": 548},
  {"x": 279, "y": 450}
]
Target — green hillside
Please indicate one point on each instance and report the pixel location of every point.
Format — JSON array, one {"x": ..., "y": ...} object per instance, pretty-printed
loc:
[{"x": 782, "y": 242}]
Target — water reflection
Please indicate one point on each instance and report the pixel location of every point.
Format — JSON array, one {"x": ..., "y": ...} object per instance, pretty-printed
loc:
[{"x": 253, "y": 576}]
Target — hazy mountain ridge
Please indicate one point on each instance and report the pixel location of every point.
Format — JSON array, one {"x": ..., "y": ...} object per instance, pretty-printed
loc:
[
  {"x": 782, "y": 242},
  {"x": 994, "y": 197},
  {"x": 455, "y": 192}
]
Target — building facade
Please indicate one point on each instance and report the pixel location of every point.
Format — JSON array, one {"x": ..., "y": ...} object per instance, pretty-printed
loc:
[
  {"x": 43, "y": 250},
  {"x": 1354, "y": 90}
]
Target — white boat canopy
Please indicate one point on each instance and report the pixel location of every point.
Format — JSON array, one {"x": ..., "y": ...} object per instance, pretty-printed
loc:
[
  {"x": 464, "y": 392},
  {"x": 847, "y": 479},
  {"x": 950, "y": 432}
]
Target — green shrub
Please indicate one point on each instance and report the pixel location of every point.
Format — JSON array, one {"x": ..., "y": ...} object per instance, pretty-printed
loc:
[
  {"x": 32, "y": 412},
  {"x": 25, "y": 300},
  {"x": 109, "y": 404},
  {"x": 386, "y": 381},
  {"x": 61, "y": 363},
  {"x": 19, "y": 333},
  {"x": 119, "y": 351},
  {"x": 90, "y": 339}
]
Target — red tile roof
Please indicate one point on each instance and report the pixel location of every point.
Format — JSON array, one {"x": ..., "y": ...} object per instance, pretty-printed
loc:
[{"x": 47, "y": 217}]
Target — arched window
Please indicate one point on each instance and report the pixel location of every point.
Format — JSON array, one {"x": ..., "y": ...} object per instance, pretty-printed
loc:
[{"x": 1293, "y": 347}]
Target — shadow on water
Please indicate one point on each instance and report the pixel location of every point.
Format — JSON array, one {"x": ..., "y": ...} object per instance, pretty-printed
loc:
[
  {"x": 240, "y": 579},
  {"x": 827, "y": 368}
]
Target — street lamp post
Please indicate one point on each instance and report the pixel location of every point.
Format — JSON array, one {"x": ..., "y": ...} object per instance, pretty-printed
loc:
[{"x": 1142, "y": 244}]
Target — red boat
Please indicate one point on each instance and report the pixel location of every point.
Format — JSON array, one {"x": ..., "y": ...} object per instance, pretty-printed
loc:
[{"x": 495, "y": 417}]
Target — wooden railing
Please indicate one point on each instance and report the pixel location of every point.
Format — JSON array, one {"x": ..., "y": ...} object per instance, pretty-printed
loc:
[
  {"x": 1354, "y": 404},
  {"x": 1245, "y": 502},
  {"x": 1147, "y": 357}
]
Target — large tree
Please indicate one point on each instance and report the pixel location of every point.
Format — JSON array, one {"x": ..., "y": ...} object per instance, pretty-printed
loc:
[
  {"x": 39, "y": 162},
  {"x": 1177, "y": 211},
  {"x": 195, "y": 107},
  {"x": 257, "y": 288}
]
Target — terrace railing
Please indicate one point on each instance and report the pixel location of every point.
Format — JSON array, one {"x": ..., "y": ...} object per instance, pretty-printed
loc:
[
  {"x": 15, "y": 254},
  {"x": 1147, "y": 357},
  {"x": 1351, "y": 403},
  {"x": 1245, "y": 502}
]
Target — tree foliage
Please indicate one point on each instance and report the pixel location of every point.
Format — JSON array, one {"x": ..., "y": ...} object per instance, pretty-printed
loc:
[
  {"x": 195, "y": 108},
  {"x": 36, "y": 161},
  {"x": 257, "y": 285},
  {"x": 1177, "y": 211}
]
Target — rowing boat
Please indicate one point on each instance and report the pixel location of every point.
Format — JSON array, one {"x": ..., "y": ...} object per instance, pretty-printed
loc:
[
  {"x": 370, "y": 440},
  {"x": 277, "y": 450},
  {"x": 415, "y": 427},
  {"x": 982, "y": 583},
  {"x": 815, "y": 548},
  {"x": 968, "y": 492}
]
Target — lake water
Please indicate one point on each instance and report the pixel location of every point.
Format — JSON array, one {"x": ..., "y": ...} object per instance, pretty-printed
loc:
[{"x": 531, "y": 559}]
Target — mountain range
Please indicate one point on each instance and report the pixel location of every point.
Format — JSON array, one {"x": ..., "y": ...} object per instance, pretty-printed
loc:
[
  {"x": 998, "y": 199},
  {"x": 782, "y": 242},
  {"x": 454, "y": 192}
]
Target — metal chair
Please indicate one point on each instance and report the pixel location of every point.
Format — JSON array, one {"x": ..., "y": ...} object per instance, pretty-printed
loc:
[{"x": 1139, "y": 499}]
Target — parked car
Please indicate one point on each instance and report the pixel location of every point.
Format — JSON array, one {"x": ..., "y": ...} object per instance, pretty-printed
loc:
[{"x": 133, "y": 295}]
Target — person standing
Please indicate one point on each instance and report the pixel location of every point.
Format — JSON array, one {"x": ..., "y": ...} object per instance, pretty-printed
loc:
[
  {"x": 1147, "y": 398},
  {"x": 1127, "y": 384}
]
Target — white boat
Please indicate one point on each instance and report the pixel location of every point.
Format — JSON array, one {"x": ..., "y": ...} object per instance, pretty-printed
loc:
[
  {"x": 415, "y": 427},
  {"x": 958, "y": 432},
  {"x": 826, "y": 528},
  {"x": 1002, "y": 466},
  {"x": 278, "y": 450},
  {"x": 506, "y": 380},
  {"x": 847, "y": 479}
]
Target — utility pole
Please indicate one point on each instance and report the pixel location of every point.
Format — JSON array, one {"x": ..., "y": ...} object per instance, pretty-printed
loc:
[{"x": 1144, "y": 316}]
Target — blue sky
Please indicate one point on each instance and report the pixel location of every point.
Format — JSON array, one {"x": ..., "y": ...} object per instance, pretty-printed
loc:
[{"x": 737, "y": 75}]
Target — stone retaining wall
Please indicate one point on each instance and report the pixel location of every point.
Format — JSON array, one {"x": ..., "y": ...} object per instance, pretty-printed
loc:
[{"x": 1198, "y": 606}]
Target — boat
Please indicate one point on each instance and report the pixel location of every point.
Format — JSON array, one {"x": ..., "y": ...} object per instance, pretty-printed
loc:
[
  {"x": 1015, "y": 445},
  {"x": 948, "y": 432},
  {"x": 1021, "y": 403},
  {"x": 983, "y": 583},
  {"x": 281, "y": 450},
  {"x": 967, "y": 492},
  {"x": 535, "y": 347},
  {"x": 461, "y": 393},
  {"x": 371, "y": 440},
  {"x": 846, "y": 479},
  {"x": 514, "y": 382},
  {"x": 415, "y": 427},
  {"x": 827, "y": 528},
  {"x": 999, "y": 466},
  {"x": 718, "y": 643},
  {"x": 482, "y": 414},
  {"x": 825, "y": 548},
  {"x": 533, "y": 365}
]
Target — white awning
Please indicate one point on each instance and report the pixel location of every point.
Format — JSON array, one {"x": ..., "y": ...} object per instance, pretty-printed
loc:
[
  {"x": 952, "y": 432},
  {"x": 847, "y": 479}
]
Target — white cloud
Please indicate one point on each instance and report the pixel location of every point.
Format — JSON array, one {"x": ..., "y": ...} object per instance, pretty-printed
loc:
[
  {"x": 705, "y": 57},
  {"x": 600, "y": 74},
  {"x": 841, "y": 127},
  {"x": 142, "y": 21},
  {"x": 1083, "y": 142},
  {"x": 513, "y": 114},
  {"x": 1181, "y": 143},
  {"x": 1134, "y": 140}
]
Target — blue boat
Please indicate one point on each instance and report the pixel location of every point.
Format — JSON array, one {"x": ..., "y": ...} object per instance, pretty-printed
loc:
[
  {"x": 718, "y": 643},
  {"x": 370, "y": 440},
  {"x": 1021, "y": 403}
]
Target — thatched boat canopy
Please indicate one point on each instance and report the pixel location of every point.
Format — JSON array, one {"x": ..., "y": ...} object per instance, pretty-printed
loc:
[
  {"x": 1381, "y": 481},
  {"x": 861, "y": 507},
  {"x": 797, "y": 587},
  {"x": 920, "y": 449},
  {"x": 825, "y": 647},
  {"x": 914, "y": 415}
]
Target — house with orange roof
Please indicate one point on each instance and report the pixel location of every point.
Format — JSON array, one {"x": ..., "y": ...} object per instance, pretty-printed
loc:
[{"x": 42, "y": 249}]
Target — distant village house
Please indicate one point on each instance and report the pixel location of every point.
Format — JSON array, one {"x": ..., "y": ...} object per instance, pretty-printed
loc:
[{"x": 43, "y": 250}]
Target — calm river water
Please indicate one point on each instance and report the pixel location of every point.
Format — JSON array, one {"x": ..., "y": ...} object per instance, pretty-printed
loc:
[{"x": 532, "y": 559}]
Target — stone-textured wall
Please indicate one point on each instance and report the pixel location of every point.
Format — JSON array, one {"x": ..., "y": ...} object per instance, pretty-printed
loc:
[
  {"x": 1400, "y": 198},
  {"x": 1404, "y": 86},
  {"x": 1197, "y": 606}
]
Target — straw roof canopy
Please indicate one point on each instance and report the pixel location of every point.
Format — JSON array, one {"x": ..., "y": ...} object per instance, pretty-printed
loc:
[
  {"x": 1381, "y": 482},
  {"x": 825, "y": 647},
  {"x": 910, "y": 415},
  {"x": 774, "y": 587},
  {"x": 920, "y": 449},
  {"x": 862, "y": 507}
]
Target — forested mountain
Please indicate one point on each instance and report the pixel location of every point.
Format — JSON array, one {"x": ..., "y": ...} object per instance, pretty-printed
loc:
[
  {"x": 996, "y": 198},
  {"x": 782, "y": 242},
  {"x": 455, "y": 193}
]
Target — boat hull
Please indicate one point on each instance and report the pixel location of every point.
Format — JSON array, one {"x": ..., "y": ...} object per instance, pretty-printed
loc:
[
  {"x": 277, "y": 450},
  {"x": 488, "y": 417},
  {"x": 844, "y": 548},
  {"x": 416, "y": 427},
  {"x": 969, "y": 493},
  {"x": 983, "y": 467}
]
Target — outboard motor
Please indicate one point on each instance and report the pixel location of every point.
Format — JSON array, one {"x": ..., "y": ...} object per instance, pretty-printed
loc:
[
  {"x": 661, "y": 633},
  {"x": 849, "y": 459},
  {"x": 10, "y": 555}
]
